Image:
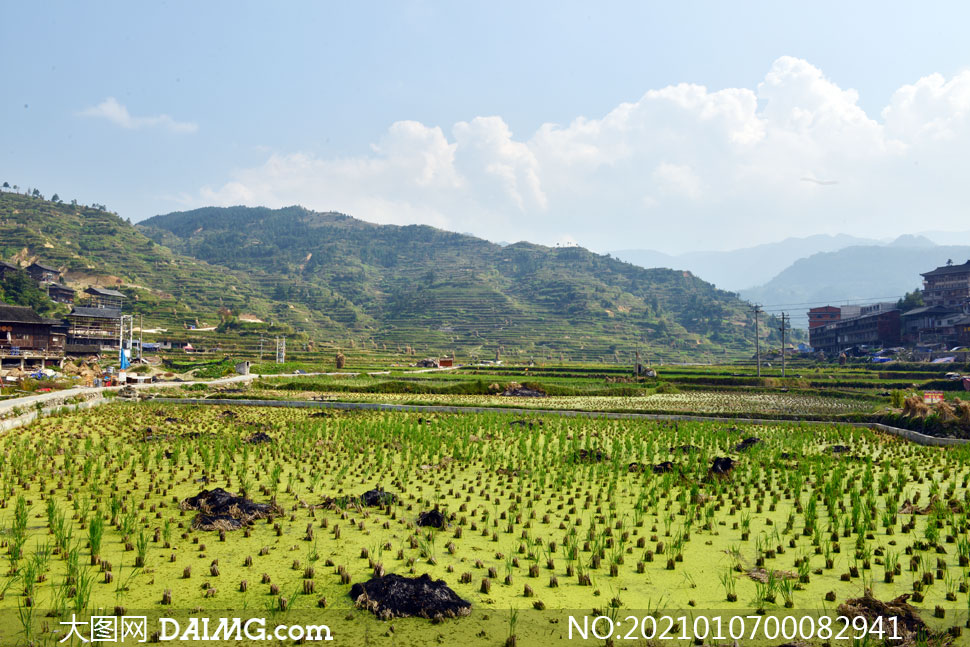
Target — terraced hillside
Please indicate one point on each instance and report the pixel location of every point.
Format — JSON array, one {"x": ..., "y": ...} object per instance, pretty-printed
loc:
[
  {"x": 419, "y": 285},
  {"x": 96, "y": 247}
]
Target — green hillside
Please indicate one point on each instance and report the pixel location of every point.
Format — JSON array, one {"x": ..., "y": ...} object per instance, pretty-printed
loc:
[
  {"x": 96, "y": 247},
  {"x": 421, "y": 286}
]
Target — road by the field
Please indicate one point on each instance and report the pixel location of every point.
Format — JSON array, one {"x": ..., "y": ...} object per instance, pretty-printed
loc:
[{"x": 28, "y": 402}]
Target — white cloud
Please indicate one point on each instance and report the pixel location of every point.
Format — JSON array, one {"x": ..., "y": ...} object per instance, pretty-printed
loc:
[
  {"x": 677, "y": 179},
  {"x": 682, "y": 167},
  {"x": 113, "y": 111}
]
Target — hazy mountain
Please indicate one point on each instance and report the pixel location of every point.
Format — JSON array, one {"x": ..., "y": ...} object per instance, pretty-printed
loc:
[
  {"x": 743, "y": 268},
  {"x": 948, "y": 237},
  {"x": 883, "y": 272}
]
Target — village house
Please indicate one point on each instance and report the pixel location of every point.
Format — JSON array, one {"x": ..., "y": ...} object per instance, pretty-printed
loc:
[
  {"x": 7, "y": 268},
  {"x": 59, "y": 293},
  {"x": 26, "y": 337},
  {"x": 823, "y": 315},
  {"x": 948, "y": 286},
  {"x": 43, "y": 273},
  {"x": 94, "y": 326},
  {"x": 873, "y": 325},
  {"x": 104, "y": 298}
]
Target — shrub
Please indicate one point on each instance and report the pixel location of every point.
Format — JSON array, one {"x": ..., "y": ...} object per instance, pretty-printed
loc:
[{"x": 666, "y": 387}]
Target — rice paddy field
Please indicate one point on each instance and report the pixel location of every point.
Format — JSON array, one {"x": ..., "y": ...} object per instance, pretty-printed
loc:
[
  {"x": 708, "y": 402},
  {"x": 542, "y": 517}
]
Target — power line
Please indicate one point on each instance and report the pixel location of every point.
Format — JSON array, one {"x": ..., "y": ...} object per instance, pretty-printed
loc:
[
  {"x": 783, "y": 328},
  {"x": 757, "y": 334},
  {"x": 845, "y": 300}
]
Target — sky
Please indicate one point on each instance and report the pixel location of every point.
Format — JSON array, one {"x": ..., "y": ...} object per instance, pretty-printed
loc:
[{"x": 616, "y": 125}]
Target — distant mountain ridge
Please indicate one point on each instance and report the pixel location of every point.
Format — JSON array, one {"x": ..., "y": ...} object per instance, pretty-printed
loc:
[
  {"x": 884, "y": 272},
  {"x": 739, "y": 269}
]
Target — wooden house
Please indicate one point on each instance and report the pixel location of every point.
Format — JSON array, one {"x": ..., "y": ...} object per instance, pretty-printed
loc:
[
  {"x": 60, "y": 293},
  {"x": 25, "y": 335},
  {"x": 41, "y": 273},
  {"x": 104, "y": 298},
  {"x": 7, "y": 268},
  {"x": 87, "y": 325}
]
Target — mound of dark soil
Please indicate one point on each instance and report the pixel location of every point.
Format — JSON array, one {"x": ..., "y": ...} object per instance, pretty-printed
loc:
[
  {"x": 394, "y": 596},
  {"x": 663, "y": 468},
  {"x": 591, "y": 456},
  {"x": 219, "y": 503},
  {"x": 321, "y": 414},
  {"x": 216, "y": 522},
  {"x": 523, "y": 392},
  {"x": 746, "y": 444},
  {"x": 228, "y": 414},
  {"x": 722, "y": 465},
  {"x": 377, "y": 497},
  {"x": 837, "y": 449},
  {"x": 788, "y": 455},
  {"x": 259, "y": 438},
  {"x": 635, "y": 467},
  {"x": 172, "y": 420},
  {"x": 523, "y": 423},
  {"x": 911, "y": 627},
  {"x": 432, "y": 519}
]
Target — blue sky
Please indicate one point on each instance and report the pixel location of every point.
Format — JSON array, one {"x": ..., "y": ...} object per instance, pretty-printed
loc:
[{"x": 547, "y": 121}]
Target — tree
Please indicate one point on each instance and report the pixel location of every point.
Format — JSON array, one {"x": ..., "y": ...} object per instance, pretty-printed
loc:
[
  {"x": 911, "y": 300},
  {"x": 6, "y": 185},
  {"x": 55, "y": 198},
  {"x": 20, "y": 290}
]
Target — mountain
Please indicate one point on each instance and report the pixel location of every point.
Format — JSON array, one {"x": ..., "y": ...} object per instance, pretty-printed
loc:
[
  {"x": 947, "y": 237},
  {"x": 742, "y": 268},
  {"x": 417, "y": 285},
  {"x": 884, "y": 272},
  {"x": 96, "y": 247}
]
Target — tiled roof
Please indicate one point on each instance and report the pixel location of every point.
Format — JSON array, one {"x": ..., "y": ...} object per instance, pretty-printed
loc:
[
  {"x": 949, "y": 269},
  {"x": 18, "y": 314},
  {"x": 104, "y": 313}
]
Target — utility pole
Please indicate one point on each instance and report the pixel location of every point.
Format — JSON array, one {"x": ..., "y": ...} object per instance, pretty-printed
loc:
[
  {"x": 280, "y": 350},
  {"x": 757, "y": 335},
  {"x": 125, "y": 330},
  {"x": 261, "y": 348},
  {"x": 141, "y": 336},
  {"x": 783, "y": 328}
]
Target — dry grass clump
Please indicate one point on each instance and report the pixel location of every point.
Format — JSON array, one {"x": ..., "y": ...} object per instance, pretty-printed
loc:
[
  {"x": 914, "y": 407},
  {"x": 962, "y": 410}
]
